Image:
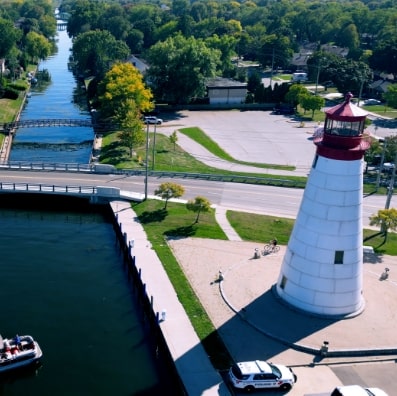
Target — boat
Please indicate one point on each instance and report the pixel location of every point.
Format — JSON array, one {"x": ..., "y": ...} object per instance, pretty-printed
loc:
[{"x": 17, "y": 352}]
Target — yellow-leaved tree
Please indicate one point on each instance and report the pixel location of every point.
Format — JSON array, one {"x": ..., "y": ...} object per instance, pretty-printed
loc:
[
  {"x": 123, "y": 84},
  {"x": 123, "y": 98}
]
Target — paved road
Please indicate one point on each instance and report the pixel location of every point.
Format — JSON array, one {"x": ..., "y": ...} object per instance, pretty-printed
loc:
[{"x": 268, "y": 200}]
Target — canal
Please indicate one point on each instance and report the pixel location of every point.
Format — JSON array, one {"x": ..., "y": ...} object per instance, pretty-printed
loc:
[
  {"x": 62, "y": 273},
  {"x": 62, "y": 97}
]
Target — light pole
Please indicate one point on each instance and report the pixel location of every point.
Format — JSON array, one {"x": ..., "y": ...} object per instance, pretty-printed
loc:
[
  {"x": 391, "y": 184},
  {"x": 154, "y": 146},
  {"x": 147, "y": 159}
]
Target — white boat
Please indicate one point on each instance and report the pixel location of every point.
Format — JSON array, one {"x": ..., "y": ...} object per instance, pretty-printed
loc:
[{"x": 20, "y": 351}]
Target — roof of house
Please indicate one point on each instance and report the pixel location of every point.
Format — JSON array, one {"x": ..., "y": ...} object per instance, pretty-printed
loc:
[{"x": 220, "y": 82}]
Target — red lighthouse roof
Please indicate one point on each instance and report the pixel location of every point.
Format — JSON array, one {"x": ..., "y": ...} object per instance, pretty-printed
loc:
[{"x": 346, "y": 111}]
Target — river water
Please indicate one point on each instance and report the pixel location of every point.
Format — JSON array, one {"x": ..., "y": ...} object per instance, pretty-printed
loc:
[
  {"x": 62, "y": 98},
  {"x": 62, "y": 276}
]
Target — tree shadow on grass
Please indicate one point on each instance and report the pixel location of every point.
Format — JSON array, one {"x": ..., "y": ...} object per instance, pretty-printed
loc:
[
  {"x": 182, "y": 232},
  {"x": 113, "y": 153},
  {"x": 154, "y": 216}
]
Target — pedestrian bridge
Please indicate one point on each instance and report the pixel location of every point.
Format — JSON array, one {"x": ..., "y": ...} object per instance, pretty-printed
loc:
[
  {"x": 97, "y": 194},
  {"x": 58, "y": 122}
]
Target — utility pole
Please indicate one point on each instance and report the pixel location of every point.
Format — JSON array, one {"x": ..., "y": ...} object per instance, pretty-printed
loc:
[
  {"x": 147, "y": 159},
  {"x": 154, "y": 147},
  {"x": 382, "y": 159},
  {"x": 271, "y": 72},
  {"x": 391, "y": 184}
]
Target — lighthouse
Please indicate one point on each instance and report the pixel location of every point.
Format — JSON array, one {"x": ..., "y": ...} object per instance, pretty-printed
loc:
[{"x": 321, "y": 272}]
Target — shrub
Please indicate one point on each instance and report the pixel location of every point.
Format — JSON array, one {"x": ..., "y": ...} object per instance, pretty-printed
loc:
[{"x": 11, "y": 93}]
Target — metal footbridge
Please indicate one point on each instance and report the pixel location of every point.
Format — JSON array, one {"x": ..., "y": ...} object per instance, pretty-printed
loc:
[{"x": 10, "y": 127}]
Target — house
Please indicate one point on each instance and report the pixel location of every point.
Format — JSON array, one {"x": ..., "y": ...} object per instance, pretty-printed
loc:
[
  {"x": 379, "y": 87},
  {"x": 138, "y": 63},
  {"x": 225, "y": 91}
]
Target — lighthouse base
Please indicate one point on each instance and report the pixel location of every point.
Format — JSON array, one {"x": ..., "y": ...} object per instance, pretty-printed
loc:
[{"x": 315, "y": 313}]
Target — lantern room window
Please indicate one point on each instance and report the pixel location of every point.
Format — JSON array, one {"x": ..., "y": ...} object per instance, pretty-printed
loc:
[{"x": 344, "y": 128}]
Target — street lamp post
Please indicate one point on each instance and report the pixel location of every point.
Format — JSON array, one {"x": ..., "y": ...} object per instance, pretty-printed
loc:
[
  {"x": 154, "y": 146},
  {"x": 147, "y": 159},
  {"x": 391, "y": 184}
]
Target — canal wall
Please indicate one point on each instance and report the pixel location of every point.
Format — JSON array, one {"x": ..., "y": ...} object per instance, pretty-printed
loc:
[{"x": 175, "y": 338}]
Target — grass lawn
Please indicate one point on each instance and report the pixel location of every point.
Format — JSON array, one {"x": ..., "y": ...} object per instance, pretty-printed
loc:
[{"x": 9, "y": 109}]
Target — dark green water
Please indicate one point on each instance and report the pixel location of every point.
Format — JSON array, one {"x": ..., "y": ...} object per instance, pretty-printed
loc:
[{"x": 63, "y": 282}]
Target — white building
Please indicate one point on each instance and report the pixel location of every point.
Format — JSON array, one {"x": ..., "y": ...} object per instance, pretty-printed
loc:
[{"x": 225, "y": 91}]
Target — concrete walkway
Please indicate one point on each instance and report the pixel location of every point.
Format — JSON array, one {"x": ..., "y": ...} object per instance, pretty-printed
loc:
[
  {"x": 193, "y": 365},
  {"x": 220, "y": 216}
]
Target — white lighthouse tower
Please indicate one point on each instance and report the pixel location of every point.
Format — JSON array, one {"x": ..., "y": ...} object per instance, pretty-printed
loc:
[{"x": 322, "y": 269}]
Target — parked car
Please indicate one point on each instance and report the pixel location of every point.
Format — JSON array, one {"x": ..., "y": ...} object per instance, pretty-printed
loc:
[
  {"x": 152, "y": 120},
  {"x": 370, "y": 102},
  {"x": 284, "y": 108},
  {"x": 357, "y": 390},
  {"x": 259, "y": 374}
]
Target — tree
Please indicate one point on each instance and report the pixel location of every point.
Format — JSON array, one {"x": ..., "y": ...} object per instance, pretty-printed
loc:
[
  {"x": 37, "y": 46},
  {"x": 384, "y": 56},
  {"x": 128, "y": 117},
  {"x": 179, "y": 67},
  {"x": 311, "y": 102},
  {"x": 386, "y": 219},
  {"x": 198, "y": 205},
  {"x": 123, "y": 91},
  {"x": 391, "y": 96},
  {"x": 294, "y": 92},
  {"x": 9, "y": 35},
  {"x": 169, "y": 190},
  {"x": 96, "y": 50},
  {"x": 173, "y": 139}
]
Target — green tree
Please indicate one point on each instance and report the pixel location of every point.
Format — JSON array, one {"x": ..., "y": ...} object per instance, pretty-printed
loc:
[
  {"x": 384, "y": 56},
  {"x": 122, "y": 90},
  {"x": 169, "y": 190},
  {"x": 311, "y": 102},
  {"x": 198, "y": 205},
  {"x": 391, "y": 96},
  {"x": 37, "y": 46},
  {"x": 173, "y": 139},
  {"x": 9, "y": 36},
  {"x": 294, "y": 92},
  {"x": 84, "y": 16},
  {"x": 95, "y": 51},
  {"x": 179, "y": 67},
  {"x": 386, "y": 219},
  {"x": 128, "y": 117}
]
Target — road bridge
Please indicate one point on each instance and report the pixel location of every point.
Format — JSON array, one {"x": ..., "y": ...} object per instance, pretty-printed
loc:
[{"x": 95, "y": 194}]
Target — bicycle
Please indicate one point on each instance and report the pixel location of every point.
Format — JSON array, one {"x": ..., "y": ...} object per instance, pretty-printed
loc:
[{"x": 270, "y": 248}]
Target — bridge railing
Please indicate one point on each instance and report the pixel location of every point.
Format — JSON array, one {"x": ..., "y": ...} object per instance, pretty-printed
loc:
[
  {"x": 109, "y": 169},
  {"x": 42, "y": 166},
  {"x": 47, "y": 188}
]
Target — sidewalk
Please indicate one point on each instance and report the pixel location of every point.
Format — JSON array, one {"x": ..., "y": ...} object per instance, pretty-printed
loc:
[{"x": 192, "y": 363}]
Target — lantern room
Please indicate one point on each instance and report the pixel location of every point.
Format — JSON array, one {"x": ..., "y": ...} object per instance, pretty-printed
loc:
[{"x": 342, "y": 134}]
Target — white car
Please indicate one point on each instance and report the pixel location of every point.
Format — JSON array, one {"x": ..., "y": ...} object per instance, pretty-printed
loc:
[
  {"x": 152, "y": 120},
  {"x": 261, "y": 375},
  {"x": 370, "y": 102},
  {"x": 357, "y": 390}
]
